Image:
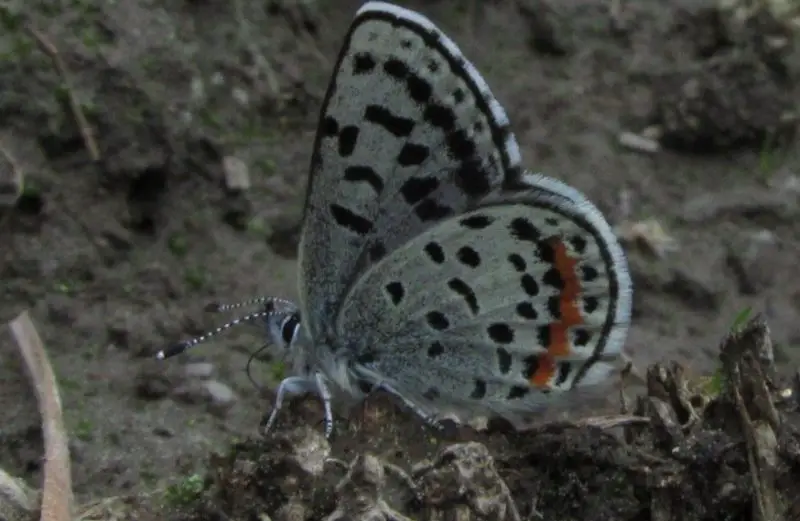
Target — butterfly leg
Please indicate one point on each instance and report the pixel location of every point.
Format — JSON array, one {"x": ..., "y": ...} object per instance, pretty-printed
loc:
[
  {"x": 297, "y": 385},
  {"x": 325, "y": 394},
  {"x": 291, "y": 386}
]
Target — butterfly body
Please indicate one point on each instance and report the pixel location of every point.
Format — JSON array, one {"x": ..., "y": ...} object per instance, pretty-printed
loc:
[{"x": 431, "y": 264}]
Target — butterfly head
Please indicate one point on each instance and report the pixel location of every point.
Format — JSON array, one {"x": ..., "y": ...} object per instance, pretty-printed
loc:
[{"x": 282, "y": 322}]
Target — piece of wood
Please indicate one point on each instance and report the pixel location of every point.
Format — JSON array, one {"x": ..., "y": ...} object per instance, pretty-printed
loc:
[{"x": 57, "y": 496}]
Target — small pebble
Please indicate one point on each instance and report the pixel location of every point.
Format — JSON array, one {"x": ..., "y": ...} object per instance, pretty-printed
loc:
[
  {"x": 638, "y": 143},
  {"x": 237, "y": 177},
  {"x": 221, "y": 396},
  {"x": 218, "y": 396}
]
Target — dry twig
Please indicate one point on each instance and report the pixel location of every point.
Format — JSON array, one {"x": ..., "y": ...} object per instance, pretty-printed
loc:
[
  {"x": 77, "y": 112},
  {"x": 57, "y": 489}
]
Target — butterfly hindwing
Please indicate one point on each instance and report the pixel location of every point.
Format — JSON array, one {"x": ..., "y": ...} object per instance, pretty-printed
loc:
[
  {"x": 491, "y": 310},
  {"x": 409, "y": 135}
]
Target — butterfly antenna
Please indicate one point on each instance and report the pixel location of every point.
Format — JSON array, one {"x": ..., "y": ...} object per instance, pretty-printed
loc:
[
  {"x": 180, "y": 347},
  {"x": 218, "y": 306}
]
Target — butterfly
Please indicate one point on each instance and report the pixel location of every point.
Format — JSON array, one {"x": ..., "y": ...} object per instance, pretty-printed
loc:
[{"x": 432, "y": 265}]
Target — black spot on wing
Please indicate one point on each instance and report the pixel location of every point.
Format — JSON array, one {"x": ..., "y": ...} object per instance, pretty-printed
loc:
[
  {"x": 350, "y": 220},
  {"x": 396, "y": 69},
  {"x": 546, "y": 252},
  {"x": 383, "y": 117},
  {"x": 435, "y": 349},
  {"x": 503, "y": 360},
  {"x": 376, "y": 251},
  {"x": 419, "y": 89},
  {"x": 462, "y": 147},
  {"x": 479, "y": 391},
  {"x": 430, "y": 210},
  {"x": 543, "y": 336},
  {"x": 589, "y": 273},
  {"x": 468, "y": 257},
  {"x": 529, "y": 285},
  {"x": 517, "y": 391},
  {"x": 329, "y": 126},
  {"x": 396, "y": 292},
  {"x": 530, "y": 364},
  {"x": 415, "y": 189},
  {"x": 439, "y": 116},
  {"x": 472, "y": 179},
  {"x": 581, "y": 337},
  {"x": 578, "y": 244},
  {"x": 553, "y": 278},
  {"x": 348, "y": 137},
  {"x": 518, "y": 262},
  {"x": 363, "y": 63},
  {"x": 476, "y": 222},
  {"x": 564, "y": 369},
  {"x": 523, "y": 230},
  {"x": 463, "y": 290},
  {"x": 437, "y": 320},
  {"x": 412, "y": 155},
  {"x": 501, "y": 333},
  {"x": 527, "y": 311},
  {"x": 364, "y": 174},
  {"x": 554, "y": 307},
  {"x": 434, "y": 252},
  {"x": 590, "y": 304},
  {"x": 470, "y": 176}
]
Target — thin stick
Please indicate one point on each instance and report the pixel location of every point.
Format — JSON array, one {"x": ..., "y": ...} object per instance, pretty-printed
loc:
[
  {"x": 57, "y": 490},
  {"x": 77, "y": 112}
]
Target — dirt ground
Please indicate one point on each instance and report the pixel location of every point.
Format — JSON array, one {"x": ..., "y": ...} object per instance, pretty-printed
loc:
[{"x": 117, "y": 260}]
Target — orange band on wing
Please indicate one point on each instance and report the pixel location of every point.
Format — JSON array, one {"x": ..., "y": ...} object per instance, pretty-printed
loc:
[
  {"x": 568, "y": 303},
  {"x": 544, "y": 371},
  {"x": 560, "y": 345}
]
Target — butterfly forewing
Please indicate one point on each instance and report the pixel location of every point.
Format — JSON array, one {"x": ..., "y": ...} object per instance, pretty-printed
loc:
[{"x": 409, "y": 135}]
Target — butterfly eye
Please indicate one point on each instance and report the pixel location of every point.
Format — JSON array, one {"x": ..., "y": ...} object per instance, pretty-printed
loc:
[{"x": 289, "y": 328}]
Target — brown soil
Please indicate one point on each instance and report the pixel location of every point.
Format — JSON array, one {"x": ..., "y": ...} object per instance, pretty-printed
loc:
[{"x": 117, "y": 261}]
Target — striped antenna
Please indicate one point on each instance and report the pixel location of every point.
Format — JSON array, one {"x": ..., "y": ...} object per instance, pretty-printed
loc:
[
  {"x": 180, "y": 347},
  {"x": 217, "y": 306}
]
